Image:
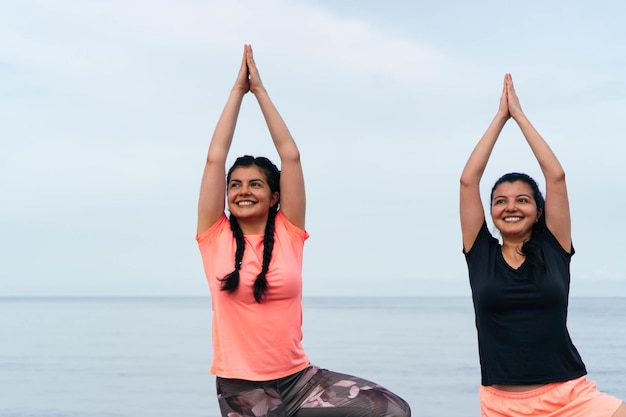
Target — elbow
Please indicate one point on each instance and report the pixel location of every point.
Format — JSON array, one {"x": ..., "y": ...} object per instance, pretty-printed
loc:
[
  {"x": 213, "y": 159},
  {"x": 293, "y": 156},
  {"x": 558, "y": 176},
  {"x": 467, "y": 181}
]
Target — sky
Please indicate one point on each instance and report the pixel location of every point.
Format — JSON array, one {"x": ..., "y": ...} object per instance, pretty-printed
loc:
[{"x": 107, "y": 109}]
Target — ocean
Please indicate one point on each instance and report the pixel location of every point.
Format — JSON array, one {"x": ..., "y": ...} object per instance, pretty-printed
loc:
[{"x": 149, "y": 357}]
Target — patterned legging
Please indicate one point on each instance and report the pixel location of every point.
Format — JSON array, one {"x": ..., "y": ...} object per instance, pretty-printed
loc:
[{"x": 312, "y": 392}]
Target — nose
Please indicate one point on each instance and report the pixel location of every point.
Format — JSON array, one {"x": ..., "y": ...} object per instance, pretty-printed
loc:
[
  {"x": 510, "y": 205},
  {"x": 244, "y": 189}
]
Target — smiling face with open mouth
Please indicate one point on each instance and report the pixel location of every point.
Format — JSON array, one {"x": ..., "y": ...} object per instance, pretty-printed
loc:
[
  {"x": 249, "y": 194},
  {"x": 514, "y": 209}
]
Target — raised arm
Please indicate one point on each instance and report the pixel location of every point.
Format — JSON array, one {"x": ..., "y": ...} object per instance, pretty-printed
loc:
[
  {"x": 471, "y": 208},
  {"x": 211, "y": 202},
  {"x": 292, "y": 192},
  {"x": 557, "y": 203}
]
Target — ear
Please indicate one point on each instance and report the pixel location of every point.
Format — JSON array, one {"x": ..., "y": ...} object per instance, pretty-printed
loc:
[
  {"x": 539, "y": 214},
  {"x": 274, "y": 199}
]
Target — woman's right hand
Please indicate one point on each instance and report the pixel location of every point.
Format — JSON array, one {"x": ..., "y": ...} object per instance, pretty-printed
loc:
[
  {"x": 503, "y": 109},
  {"x": 515, "y": 109}
]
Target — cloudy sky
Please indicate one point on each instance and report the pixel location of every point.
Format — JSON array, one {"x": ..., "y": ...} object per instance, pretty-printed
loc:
[{"x": 107, "y": 108}]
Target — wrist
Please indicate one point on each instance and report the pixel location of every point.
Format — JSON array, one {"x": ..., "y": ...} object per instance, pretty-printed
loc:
[
  {"x": 258, "y": 90},
  {"x": 518, "y": 116},
  {"x": 501, "y": 117},
  {"x": 238, "y": 92}
]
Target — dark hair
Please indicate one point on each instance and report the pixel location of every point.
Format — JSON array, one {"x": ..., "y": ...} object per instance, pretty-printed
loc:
[
  {"x": 230, "y": 282},
  {"x": 531, "y": 248}
]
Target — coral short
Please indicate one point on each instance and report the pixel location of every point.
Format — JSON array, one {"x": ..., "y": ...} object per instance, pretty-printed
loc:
[{"x": 575, "y": 398}]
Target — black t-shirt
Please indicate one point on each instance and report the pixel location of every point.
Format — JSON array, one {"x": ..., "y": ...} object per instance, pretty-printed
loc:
[{"x": 521, "y": 316}]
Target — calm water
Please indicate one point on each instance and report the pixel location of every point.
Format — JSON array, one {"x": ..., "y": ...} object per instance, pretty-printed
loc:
[{"x": 140, "y": 357}]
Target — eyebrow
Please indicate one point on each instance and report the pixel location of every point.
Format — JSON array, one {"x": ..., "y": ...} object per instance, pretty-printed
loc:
[
  {"x": 519, "y": 195},
  {"x": 251, "y": 180}
]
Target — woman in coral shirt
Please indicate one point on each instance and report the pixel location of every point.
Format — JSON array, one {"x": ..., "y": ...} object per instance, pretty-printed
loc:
[{"x": 253, "y": 263}]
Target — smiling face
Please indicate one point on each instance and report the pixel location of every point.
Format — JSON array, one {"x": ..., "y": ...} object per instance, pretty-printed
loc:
[
  {"x": 249, "y": 194},
  {"x": 514, "y": 209}
]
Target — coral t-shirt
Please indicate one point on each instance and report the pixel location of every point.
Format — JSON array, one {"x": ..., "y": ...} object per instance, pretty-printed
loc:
[{"x": 256, "y": 341}]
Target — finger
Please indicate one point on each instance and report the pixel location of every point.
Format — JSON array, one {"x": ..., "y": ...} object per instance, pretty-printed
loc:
[
  {"x": 250, "y": 58},
  {"x": 243, "y": 70},
  {"x": 504, "y": 88},
  {"x": 510, "y": 83},
  {"x": 244, "y": 56}
]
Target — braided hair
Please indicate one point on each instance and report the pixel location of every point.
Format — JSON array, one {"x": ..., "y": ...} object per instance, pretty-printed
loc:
[
  {"x": 230, "y": 282},
  {"x": 531, "y": 248}
]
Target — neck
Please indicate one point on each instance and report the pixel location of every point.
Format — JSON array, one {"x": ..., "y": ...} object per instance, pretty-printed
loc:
[
  {"x": 512, "y": 253},
  {"x": 252, "y": 227},
  {"x": 512, "y": 247},
  {"x": 514, "y": 242}
]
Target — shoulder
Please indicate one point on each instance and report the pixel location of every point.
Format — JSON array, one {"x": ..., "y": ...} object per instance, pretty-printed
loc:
[
  {"x": 218, "y": 228},
  {"x": 551, "y": 243},
  {"x": 283, "y": 225},
  {"x": 484, "y": 239}
]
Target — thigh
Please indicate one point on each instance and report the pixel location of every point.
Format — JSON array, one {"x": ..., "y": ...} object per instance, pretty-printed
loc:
[
  {"x": 332, "y": 394},
  {"x": 621, "y": 411},
  {"x": 240, "y": 398}
]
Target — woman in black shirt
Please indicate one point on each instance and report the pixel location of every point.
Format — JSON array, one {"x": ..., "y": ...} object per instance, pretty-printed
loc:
[{"x": 520, "y": 287}]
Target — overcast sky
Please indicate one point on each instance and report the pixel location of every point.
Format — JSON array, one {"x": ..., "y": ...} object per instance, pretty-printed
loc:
[{"x": 107, "y": 108}]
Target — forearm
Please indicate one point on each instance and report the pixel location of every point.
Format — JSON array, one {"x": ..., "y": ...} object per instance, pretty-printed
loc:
[
  {"x": 225, "y": 129},
  {"x": 477, "y": 162},
  {"x": 550, "y": 165},
  {"x": 283, "y": 141}
]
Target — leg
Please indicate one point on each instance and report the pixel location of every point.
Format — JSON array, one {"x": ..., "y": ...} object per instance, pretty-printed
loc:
[
  {"x": 331, "y": 394},
  {"x": 240, "y": 398},
  {"x": 621, "y": 411}
]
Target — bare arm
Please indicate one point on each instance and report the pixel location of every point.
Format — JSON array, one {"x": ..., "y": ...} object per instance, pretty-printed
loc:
[
  {"x": 557, "y": 203},
  {"x": 471, "y": 208},
  {"x": 213, "y": 186},
  {"x": 292, "y": 191}
]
